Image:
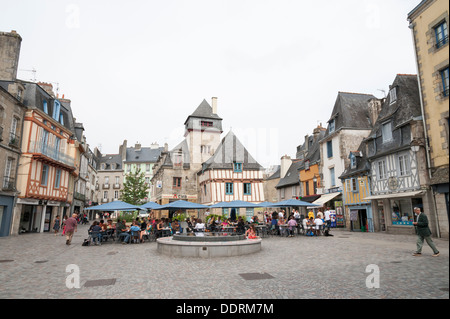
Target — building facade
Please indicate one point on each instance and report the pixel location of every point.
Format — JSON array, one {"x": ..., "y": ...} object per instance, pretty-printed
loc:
[
  {"x": 429, "y": 26},
  {"x": 351, "y": 121},
  {"x": 399, "y": 178}
]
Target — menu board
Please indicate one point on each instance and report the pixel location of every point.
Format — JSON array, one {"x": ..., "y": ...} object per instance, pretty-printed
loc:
[{"x": 339, "y": 214}]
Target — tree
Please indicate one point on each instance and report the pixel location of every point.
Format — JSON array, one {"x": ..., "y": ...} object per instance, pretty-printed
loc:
[{"x": 135, "y": 188}]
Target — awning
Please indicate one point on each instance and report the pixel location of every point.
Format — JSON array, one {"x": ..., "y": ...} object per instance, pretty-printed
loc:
[
  {"x": 324, "y": 199},
  {"x": 396, "y": 195}
]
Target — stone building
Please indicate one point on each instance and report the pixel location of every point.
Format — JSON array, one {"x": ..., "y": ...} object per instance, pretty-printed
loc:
[
  {"x": 350, "y": 122},
  {"x": 429, "y": 25},
  {"x": 110, "y": 175},
  {"x": 12, "y": 113},
  {"x": 175, "y": 173}
]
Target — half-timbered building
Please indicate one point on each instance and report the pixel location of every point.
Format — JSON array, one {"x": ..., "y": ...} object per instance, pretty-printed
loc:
[{"x": 231, "y": 174}]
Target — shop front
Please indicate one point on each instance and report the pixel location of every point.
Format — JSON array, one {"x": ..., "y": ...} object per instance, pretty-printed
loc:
[
  {"x": 6, "y": 213},
  {"x": 394, "y": 212},
  {"x": 37, "y": 216}
]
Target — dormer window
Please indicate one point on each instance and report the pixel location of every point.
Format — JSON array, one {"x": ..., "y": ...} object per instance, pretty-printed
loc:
[
  {"x": 393, "y": 95},
  {"x": 386, "y": 132},
  {"x": 331, "y": 126},
  {"x": 237, "y": 167},
  {"x": 353, "y": 161},
  {"x": 44, "y": 106},
  {"x": 306, "y": 165},
  {"x": 56, "y": 110}
]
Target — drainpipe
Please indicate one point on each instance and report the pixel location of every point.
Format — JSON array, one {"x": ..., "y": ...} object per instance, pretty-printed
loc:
[{"x": 411, "y": 26}]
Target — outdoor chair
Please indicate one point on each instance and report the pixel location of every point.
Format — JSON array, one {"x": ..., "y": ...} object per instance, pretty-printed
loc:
[
  {"x": 94, "y": 236},
  {"x": 135, "y": 236}
]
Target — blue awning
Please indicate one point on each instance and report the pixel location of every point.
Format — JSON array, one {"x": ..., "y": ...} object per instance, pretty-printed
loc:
[
  {"x": 151, "y": 205},
  {"x": 181, "y": 204},
  {"x": 116, "y": 205},
  {"x": 234, "y": 204},
  {"x": 293, "y": 203}
]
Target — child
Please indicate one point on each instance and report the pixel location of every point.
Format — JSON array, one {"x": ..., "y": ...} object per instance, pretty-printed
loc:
[
  {"x": 251, "y": 232},
  {"x": 57, "y": 225}
]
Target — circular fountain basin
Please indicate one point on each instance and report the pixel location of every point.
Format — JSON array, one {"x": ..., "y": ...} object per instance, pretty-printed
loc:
[{"x": 207, "y": 245}]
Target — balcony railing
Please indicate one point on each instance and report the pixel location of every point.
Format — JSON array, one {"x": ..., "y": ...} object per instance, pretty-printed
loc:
[
  {"x": 442, "y": 42},
  {"x": 51, "y": 152},
  {"x": 79, "y": 196},
  {"x": 8, "y": 183},
  {"x": 116, "y": 186},
  {"x": 106, "y": 186},
  {"x": 14, "y": 140}
]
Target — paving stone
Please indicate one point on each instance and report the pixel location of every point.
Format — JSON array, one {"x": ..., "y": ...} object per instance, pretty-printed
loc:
[{"x": 34, "y": 266}]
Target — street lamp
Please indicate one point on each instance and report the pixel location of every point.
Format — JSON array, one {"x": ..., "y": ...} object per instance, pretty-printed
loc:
[{"x": 416, "y": 144}]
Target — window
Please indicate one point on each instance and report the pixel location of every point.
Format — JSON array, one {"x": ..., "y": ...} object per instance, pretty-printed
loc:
[
  {"x": 117, "y": 180},
  {"x": 56, "y": 110},
  {"x": 178, "y": 159},
  {"x": 381, "y": 170},
  {"x": 444, "y": 76},
  {"x": 403, "y": 165},
  {"x": 331, "y": 126},
  {"x": 44, "y": 176},
  {"x": 116, "y": 194},
  {"x": 386, "y": 132},
  {"x": 229, "y": 188},
  {"x": 307, "y": 188},
  {"x": 282, "y": 192},
  {"x": 103, "y": 166},
  {"x": 57, "y": 143},
  {"x": 128, "y": 168},
  {"x": 105, "y": 195},
  {"x": 106, "y": 179},
  {"x": 176, "y": 182},
  {"x": 147, "y": 180},
  {"x": 45, "y": 106},
  {"x": 205, "y": 149},
  {"x": 61, "y": 119},
  {"x": 205, "y": 123},
  {"x": 147, "y": 167},
  {"x": 332, "y": 177},
  {"x": 237, "y": 167},
  {"x": 353, "y": 161},
  {"x": 58, "y": 178},
  {"x": 306, "y": 165},
  {"x": 330, "y": 148},
  {"x": 393, "y": 95},
  {"x": 247, "y": 188},
  {"x": 441, "y": 34},
  {"x": 8, "y": 172},
  {"x": 204, "y": 188},
  {"x": 354, "y": 185}
]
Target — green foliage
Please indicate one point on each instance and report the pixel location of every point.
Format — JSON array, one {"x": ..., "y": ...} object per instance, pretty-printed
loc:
[
  {"x": 128, "y": 216},
  {"x": 135, "y": 190}
]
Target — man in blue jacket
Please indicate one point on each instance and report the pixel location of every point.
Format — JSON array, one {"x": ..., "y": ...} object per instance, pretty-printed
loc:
[{"x": 423, "y": 233}]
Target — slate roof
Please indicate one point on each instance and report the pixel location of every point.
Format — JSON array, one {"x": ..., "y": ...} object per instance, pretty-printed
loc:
[
  {"x": 275, "y": 175},
  {"x": 292, "y": 176},
  {"x": 109, "y": 159},
  {"x": 144, "y": 155},
  {"x": 229, "y": 151},
  {"x": 362, "y": 164},
  {"x": 351, "y": 111},
  {"x": 313, "y": 155},
  {"x": 204, "y": 110}
]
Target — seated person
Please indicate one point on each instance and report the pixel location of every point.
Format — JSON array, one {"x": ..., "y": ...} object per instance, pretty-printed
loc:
[
  {"x": 251, "y": 232},
  {"x": 199, "y": 227},
  {"x": 175, "y": 226},
  {"x": 212, "y": 224},
  {"x": 159, "y": 228},
  {"x": 190, "y": 227},
  {"x": 95, "y": 232},
  {"x": 318, "y": 222},
  {"x": 121, "y": 229},
  {"x": 240, "y": 226},
  {"x": 133, "y": 229}
]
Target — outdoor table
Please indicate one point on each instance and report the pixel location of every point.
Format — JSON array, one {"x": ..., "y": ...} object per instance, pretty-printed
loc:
[{"x": 261, "y": 230}]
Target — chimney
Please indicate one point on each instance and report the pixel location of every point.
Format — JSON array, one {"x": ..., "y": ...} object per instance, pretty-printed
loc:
[
  {"x": 10, "y": 43},
  {"x": 166, "y": 147},
  {"x": 137, "y": 147},
  {"x": 123, "y": 150},
  {"x": 306, "y": 144},
  {"x": 286, "y": 162},
  {"x": 154, "y": 146},
  {"x": 374, "y": 109},
  {"x": 214, "y": 105},
  {"x": 48, "y": 87}
]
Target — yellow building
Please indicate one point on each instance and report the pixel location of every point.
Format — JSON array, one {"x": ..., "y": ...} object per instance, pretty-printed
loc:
[{"x": 429, "y": 25}]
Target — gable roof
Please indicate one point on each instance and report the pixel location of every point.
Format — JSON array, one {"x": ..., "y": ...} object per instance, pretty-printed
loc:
[
  {"x": 229, "y": 151},
  {"x": 351, "y": 112},
  {"x": 292, "y": 176},
  {"x": 144, "y": 155},
  {"x": 204, "y": 110}
]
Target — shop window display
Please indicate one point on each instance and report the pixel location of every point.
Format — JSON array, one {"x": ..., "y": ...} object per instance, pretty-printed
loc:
[{"x": 402, "y": 210}]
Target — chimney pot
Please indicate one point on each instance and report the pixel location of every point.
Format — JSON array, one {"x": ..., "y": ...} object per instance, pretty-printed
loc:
[{"x": 214, "y": 105}]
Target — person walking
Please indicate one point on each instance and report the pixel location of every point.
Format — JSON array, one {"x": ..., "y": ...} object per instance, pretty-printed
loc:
[
  {"x": 423, "y": 233},
  {"x": 57, "y": 225},
  {"x": 71, "y": 227}
]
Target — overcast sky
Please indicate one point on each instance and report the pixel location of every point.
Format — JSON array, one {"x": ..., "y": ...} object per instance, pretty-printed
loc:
[{"x": 137, "y": 69}]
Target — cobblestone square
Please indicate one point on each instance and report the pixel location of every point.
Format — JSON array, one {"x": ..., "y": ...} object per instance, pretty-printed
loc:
[{"x": 35, "y": 266}]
